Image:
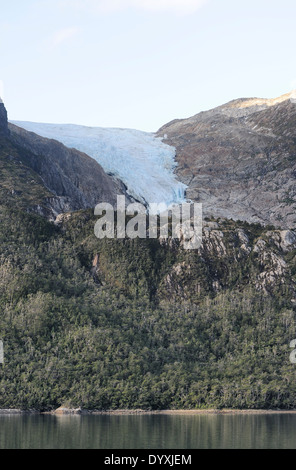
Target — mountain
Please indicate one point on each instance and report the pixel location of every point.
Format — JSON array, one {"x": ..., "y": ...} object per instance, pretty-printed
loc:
[
  {"x": 128, "y": 324},
  {"x": 239, "y": 159},
  {"x": 143, "y": 162},
  {"x": 47, "y": 177}
]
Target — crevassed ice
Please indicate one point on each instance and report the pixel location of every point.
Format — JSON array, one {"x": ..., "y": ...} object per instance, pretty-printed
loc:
[{"x": 140, "y": 159}]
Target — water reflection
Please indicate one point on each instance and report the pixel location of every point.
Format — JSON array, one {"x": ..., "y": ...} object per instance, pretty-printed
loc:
[{"x": 148, "y": 432}]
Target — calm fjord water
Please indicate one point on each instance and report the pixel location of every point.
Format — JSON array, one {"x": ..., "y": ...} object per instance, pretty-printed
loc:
[{"x": 148, "y": 432}]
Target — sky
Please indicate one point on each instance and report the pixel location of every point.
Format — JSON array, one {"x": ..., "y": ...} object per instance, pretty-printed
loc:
[{"x": 141, "y": 63}]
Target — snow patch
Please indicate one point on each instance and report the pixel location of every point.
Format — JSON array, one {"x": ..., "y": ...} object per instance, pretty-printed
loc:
[{"x": 140, "y": 159}]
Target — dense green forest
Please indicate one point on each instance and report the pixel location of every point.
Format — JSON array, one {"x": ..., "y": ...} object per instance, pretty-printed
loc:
[{"x": 116, "y": 324}]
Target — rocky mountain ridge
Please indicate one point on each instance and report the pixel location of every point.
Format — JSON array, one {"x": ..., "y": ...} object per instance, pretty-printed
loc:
[
  {"x": 76, "y": 180},
  {"x": 239, "y": 159},
  {"x": 71, "y": 178}
]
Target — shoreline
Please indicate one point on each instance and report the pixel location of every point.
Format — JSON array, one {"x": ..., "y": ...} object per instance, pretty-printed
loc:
[{"x": 139, "y": 412}]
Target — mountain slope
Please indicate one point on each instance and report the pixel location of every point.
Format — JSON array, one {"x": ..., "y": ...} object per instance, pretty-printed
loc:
[
  {"x": 144, "y": 163},
  {"x": 44, "y": 176},
  {"x": 239, "y": 159},
  {"x": 110, "y": 324},
  {"x": 76, "y": 180},
  {"x": 117, "y": 324},
  {"x": 3, "y": 119}
]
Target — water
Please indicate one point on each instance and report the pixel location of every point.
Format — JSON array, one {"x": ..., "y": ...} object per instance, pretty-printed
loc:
[{"x": 277, "y": 431}]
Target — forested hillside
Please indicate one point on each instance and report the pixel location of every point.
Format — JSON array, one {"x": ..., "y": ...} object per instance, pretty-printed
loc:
[
  {"x": 115, "y": 324},
  {"x": 139, "y": 324}
]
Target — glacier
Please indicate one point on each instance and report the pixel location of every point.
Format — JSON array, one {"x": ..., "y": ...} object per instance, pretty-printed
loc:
[{"x": 141, "y": 160}]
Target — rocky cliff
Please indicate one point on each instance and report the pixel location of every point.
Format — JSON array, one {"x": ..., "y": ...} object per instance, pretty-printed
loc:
[
  {"x": 67, "y": 179},
  {"x": 3, "y": 119},
  {"x": 239, "y": 159},
  {"x": 76, "y": 180},
  {"x": 232, "y": 255}
]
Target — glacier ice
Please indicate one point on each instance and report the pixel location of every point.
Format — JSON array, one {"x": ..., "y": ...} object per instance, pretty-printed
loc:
[{"x": 140, "y": 159}]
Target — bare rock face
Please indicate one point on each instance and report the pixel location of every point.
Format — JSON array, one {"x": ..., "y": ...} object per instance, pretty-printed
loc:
[
  {"x": 239, "y": 159},
  {"x": 220, "y": 244},
  {"x": 3, "y": 119},
  {"x": 75, "y": 180}
]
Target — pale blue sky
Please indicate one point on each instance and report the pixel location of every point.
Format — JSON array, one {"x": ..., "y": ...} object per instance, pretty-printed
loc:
[{"x": 141, "y": 63}]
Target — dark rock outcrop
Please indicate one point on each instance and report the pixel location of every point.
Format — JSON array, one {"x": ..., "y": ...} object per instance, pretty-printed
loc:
[
  {"x": 75, "y": 179},
  {"x": 3, "y": 119}
]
